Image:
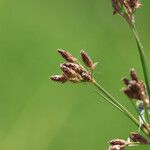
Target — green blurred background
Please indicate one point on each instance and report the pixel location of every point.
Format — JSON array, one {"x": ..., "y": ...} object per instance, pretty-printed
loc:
[{"x": 37, "y": 114}]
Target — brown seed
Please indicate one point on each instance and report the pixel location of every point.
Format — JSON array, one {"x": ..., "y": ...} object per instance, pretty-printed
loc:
[
  {"x": 67, "y": 56},
  {"x": 59, "y": 78}
]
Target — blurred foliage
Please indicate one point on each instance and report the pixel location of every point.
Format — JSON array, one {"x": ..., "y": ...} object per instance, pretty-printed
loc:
[{"x": 37, "y": 114}]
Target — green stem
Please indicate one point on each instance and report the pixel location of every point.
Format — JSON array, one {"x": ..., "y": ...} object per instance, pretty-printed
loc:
[
  {"x": 127, "y": 113},
  {"x": 109, "y": 101},
  {"x": 143, "y": 63}
]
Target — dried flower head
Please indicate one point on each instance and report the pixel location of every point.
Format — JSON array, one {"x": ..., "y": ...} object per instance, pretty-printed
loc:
[
  {"x": 74, "y": 71},
  {"x": 67, "y": 56},
  {"x": 135, "y": 89},
  {"x": 136, "y": 137},
  {"x": 126, "y": 8},
  {"x": 117, "y": 144}
]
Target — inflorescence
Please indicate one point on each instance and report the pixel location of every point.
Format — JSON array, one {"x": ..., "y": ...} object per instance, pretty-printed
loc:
[
  {"x": 72, "y": 70},
  {"x": 136, "y": 89},
  {"x": 126, "y": 8}
]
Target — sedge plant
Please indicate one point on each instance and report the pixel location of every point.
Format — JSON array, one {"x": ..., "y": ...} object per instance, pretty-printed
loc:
[{"x": 136, "y": 90}]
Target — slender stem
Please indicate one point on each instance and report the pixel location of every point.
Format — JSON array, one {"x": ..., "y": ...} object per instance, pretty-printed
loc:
[
  {"x": 143, "y": 63},
  {"x": 109, "y": 101},
  {"x": 127, "y": 113}
]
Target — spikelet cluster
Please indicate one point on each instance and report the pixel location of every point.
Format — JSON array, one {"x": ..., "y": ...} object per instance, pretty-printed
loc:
[
  {"x": 126, "y": 8},
  {"x": 135, "y": 88},
  {"x": 72, "y": 70}
]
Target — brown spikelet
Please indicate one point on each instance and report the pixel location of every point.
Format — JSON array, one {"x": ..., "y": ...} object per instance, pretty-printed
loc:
[
  {"x": 86, "y": 59},
  {"x": 86, "y": 76},
  {"x": 67, "y": 56},
  {"x": 116, "y": 6},
  {"x": 125, "y": 80},
  {"x": 68, "y": 71},
  {"x": 136, "y": 137},
  {"x": 133, "y": 75},
  {"x": 75, "y": 67},
  {"x": 117, "y": 144},
  {"x": 133, "y": 4},
  {"x": 59, "y": 78}
]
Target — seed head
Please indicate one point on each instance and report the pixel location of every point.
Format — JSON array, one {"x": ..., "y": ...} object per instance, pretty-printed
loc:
[
  {"x": 67, "y": 56},
  {"x": 72, "y": 70},
  {"x": 126, "y": 8},
  {"x": 136, "y": 137},
  {"x": 59, "y": 78},
  {"x": 135, "y": 89}
]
